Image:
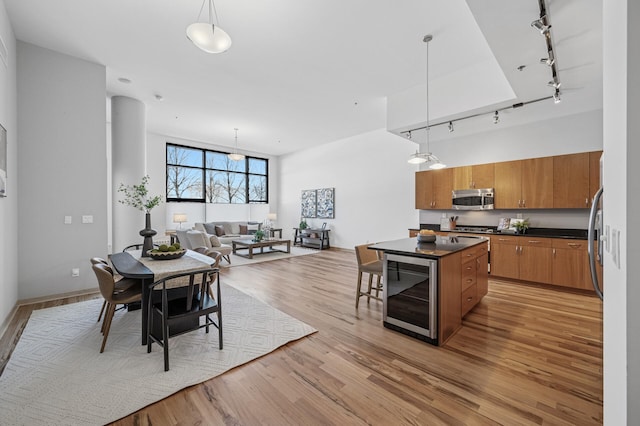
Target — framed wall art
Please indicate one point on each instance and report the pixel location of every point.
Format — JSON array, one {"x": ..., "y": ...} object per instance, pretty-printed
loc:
[
  {"x": 325, "y": 202},
  {"x": 308, "y": 203},
  {"x": 3, "y": 161}
]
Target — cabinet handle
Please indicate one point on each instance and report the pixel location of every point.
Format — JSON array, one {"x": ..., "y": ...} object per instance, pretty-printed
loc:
[
  {"x": 468, "y": 268},
  {"x": 469, "y": 280},
  {"x": 469, "y": 299},
  {"x": 502, "y": 239},
  {"x": 586, "y": 201},
  {"x": 520, "y": 249},
  {"x": 574, "y": 245},
  {"x": 516, "y": 249},
  {"x": 554, "y": 252},
  {"x": 524, "y": 203},
  {"x": 533, "y": 242}
]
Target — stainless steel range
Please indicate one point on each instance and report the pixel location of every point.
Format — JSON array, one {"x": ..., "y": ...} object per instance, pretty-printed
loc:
[{"x": 474, "y": 229}]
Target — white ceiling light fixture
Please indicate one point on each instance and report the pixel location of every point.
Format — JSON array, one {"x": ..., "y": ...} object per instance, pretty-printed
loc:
[
  {"x": 208, "y": 36},
  {"x": 556, "y": 97},
  {"x": 235, "y": 156},
  {"x": 418, "y": 157},
  {"x": 451, "y": 127}
]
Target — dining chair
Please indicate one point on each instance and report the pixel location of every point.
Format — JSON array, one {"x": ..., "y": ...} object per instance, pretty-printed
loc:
[
  {"x": 171, "y": 314},
  {"x": 216, "y": 255},
  {"x": 121, "y": 285},
  {"x": 113, "y": 297},
  {"x": 369, "y": 263}
]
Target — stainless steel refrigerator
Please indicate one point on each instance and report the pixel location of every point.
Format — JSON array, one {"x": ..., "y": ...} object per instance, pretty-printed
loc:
[{"x": 595, "y": 233}]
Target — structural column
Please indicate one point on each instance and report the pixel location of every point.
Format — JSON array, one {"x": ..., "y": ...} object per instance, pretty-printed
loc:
[{"x": 128, "y": 166}]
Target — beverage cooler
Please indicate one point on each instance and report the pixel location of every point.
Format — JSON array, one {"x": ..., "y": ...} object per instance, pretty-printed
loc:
[{"x": 410, "y": 296}]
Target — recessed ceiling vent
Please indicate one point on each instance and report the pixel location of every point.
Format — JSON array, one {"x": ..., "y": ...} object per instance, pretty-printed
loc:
[{"x": 3, "y": 52}]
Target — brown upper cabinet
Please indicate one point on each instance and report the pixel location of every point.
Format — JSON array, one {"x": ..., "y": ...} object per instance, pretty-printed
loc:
[
  {"x": 561, "y": 182},
  {"x": 474, "y": 177},
  {"x": 594, "y": 174},
  {"x": 433, "y": 189},
  {"x": 571, "y": 181},
  {"x": 524, "y": 184}
]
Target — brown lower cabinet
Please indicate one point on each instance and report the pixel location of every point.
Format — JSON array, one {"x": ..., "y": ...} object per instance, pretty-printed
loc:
[{"x": 558, "y": 261}]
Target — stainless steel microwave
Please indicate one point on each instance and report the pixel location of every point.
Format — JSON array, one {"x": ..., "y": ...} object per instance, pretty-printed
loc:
[{"x": 472, "y": 199}]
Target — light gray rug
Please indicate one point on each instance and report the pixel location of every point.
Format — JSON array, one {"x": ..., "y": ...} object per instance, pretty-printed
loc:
[
  {"x": 56, "y": 375},
  {"x": 266, "y": 257}
]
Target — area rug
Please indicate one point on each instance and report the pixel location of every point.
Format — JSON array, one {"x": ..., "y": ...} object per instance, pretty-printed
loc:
[
  {"x": 258, "y": 258},
  {"x": 56, "y": 375}
]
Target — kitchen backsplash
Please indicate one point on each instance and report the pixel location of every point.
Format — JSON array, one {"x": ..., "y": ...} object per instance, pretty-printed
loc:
[{"x": 556, "y": 218}]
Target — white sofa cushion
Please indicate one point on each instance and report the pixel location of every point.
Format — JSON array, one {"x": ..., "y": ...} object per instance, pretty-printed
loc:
[{"x": 198, "y": 239}]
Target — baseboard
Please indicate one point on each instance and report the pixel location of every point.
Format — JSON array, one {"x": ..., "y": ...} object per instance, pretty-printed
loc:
[
  {"x": 56, "y": 297},
  {"x": 7, "y": 321}
]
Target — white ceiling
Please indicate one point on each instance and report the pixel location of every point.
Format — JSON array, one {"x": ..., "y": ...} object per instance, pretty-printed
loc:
[{"x": 302, "y": 73}]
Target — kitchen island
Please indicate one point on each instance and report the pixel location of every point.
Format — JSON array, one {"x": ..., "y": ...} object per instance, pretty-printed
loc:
[{"x": 430, "y": 287}]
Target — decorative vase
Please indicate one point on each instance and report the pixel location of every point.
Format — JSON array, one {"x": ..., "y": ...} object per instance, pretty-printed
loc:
[{"x": 147, "y": 233}]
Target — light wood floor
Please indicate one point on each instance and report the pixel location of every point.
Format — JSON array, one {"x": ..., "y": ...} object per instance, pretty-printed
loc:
[{"x": 525, "y": 355}]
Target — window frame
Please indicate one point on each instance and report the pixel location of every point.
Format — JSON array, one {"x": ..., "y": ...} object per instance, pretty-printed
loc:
[{"x": 203, "y": 175}]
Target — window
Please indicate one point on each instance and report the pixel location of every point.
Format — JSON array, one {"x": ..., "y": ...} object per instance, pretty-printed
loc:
[{"x": 201, "y": 175}]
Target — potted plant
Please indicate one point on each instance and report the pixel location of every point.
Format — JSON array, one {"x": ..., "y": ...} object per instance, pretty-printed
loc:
[
  {"x": 138, "y": 196},
  {"x": 258, "y": 236},
  {"x": 303, "y": 224},
  {"x": 521, "y": 226}
]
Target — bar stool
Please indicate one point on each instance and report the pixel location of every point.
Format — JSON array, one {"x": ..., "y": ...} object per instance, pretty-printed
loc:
[{"x": 369, "y": 263}]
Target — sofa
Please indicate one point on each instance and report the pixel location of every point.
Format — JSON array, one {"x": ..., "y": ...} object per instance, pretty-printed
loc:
[
  {"x": 229, "y": 230},
  {"x": 192, "y": 239}
]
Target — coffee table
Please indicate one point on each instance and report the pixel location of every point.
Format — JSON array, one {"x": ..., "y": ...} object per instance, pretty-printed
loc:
[{"x": 251, "y": 245}]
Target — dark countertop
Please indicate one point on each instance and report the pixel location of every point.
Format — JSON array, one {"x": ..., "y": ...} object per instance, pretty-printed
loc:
[
  {"x": 443, "y": 246},
  {"x": 580, "y": 234}
]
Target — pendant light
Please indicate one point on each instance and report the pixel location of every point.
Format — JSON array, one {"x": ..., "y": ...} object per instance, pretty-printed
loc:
[
  {"x": 419, "y": 158},
  {"x": 207, "y": 35},
  {"x": 235, "y": 156}
]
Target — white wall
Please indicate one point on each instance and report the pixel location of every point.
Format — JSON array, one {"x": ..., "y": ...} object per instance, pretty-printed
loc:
[
  {"x": 374, "y": 187},
  {"x": 621, "y": 104},
  {"x": 9, "y": 204},
  {"x": 62, "y": 170}
]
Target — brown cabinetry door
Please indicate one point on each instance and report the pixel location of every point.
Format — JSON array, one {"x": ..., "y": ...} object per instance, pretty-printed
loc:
[
  {"x": 462, "y": 177},
  {"x": 442, "y": 185},
  {"x": 424, "y": 189},
  {"x": 535, "y": 263},
  {"x": 569, "y": 268},
  {"x": 594, "y": 174},
  {"x": 508, "y": 184},
  {"x": 505, "y": 258},
  {"x": 537, "y": 183},
  {"x": 483, "y": 175},
  {"x": 571, "y": 181}
]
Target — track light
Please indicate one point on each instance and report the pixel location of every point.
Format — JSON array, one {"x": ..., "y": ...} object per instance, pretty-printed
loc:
[
  {"x": 496, "y": 118},
  {"x": 556, "y": 97},
  {"x": 548, "y": 61},
  {"x": 540, "y": 25},
  {"x": 450, "y": 126},
  {"x": 554, "y": 84}
]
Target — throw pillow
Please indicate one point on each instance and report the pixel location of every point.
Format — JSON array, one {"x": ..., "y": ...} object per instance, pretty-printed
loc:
[
  {"x": 252, "y": 228},
  {"x": 243, "y": 230},
  {"x": 215, "y": 242},
  {"x": 210, "y": 228},
  {"x": 219, "y": 231},
  {"x": 198, "y": 239}
]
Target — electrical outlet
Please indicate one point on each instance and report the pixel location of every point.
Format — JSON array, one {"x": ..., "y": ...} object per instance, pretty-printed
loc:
[
  {"x": 87, "y": 219},
  {"x": 67, "y": 220},
  {"x": 75, "y": 272},
  {"x": 519, "y": 216}
]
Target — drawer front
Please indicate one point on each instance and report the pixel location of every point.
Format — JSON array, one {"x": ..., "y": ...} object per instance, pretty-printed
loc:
[
  {"x": 503, "y": 239},
  {"x": 469, "y": 272},
  {"x": 469, "y": 299},
  {"x": 569, "y": 244},
  {"x": 535, "y": 242}
]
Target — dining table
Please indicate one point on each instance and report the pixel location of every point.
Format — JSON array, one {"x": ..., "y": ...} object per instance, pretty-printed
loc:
[{"x": 131, "y": 264}]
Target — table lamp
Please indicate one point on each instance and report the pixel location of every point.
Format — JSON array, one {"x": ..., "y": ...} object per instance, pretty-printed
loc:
[
  {"x": 179, "y": 218},
  {"x": 272, "y": 217}
]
